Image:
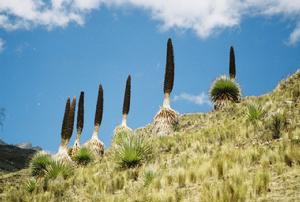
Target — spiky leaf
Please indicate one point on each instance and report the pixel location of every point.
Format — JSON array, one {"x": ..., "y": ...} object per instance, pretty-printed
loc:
[
  {"x": 99, "y": 107},
  {"x": 126, "y": 103},
  {"x": 232, "y": 63},
  {"x": 169, "y": 72},
  {"x": 80, "y": 113}
]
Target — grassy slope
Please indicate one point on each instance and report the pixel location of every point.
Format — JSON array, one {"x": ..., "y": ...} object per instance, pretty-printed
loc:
[{"x": 214, "y": 156}]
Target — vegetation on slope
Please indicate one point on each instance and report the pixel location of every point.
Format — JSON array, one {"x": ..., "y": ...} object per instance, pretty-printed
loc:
[{"x": 215, "y": 156}]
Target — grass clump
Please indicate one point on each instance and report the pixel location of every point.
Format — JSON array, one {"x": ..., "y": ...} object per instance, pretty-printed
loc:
[
  {"x": 148, "y": 177},
  {"x": 58, "y": 168},
  {"x": 261, "y": 182},
  {"x": 39, "y": 163},
  {"x": 83, "y": 157},
  {"x": 131, "y": 151},
  {"x": 31, "y": 185},
  {"x": 224, "y": 91},
  {"x": 255, "y": 113}
]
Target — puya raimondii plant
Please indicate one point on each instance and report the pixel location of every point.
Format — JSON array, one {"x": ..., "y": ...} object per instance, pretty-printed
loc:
[
  {"x": 126, "y": 107},
  {"x": 166, "y": 117},
  {"x": 225, "y": 90},
  {"x": 80, "y": 123},
  {"x": 95, "y": 145},
  {"x": 66, "y": 131}
]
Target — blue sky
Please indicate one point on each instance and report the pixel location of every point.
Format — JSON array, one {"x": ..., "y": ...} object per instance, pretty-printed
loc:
[{"x": 44, "y": 62}]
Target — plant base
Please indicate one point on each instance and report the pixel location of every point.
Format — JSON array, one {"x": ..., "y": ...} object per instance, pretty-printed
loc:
[
  {"x": 164, "y": 121},
  {"x": 62, "y": 157},
  {"x": 121, "y": 128},
  {"x": 74, "y": 150},
  {"x": 95, "y": 146}
]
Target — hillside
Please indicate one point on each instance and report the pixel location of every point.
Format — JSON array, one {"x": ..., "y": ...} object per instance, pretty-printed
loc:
[
  {"x": 215, "y": 156},
  {"x": 14, "y": 158}
]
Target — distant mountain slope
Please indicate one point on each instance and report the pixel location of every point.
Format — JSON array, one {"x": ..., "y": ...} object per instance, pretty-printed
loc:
[
  {"x": 13, "y": 158},
  {"x": 2, "y": 142}
]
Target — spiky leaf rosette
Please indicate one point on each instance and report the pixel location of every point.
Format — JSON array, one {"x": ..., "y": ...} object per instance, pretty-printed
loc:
[
  {"x": 232, "y": 63},
  {"x": 223, "y": 91},
  {"x": 169, "y": 72},
  {"x": 65, "y": 126},
  {"x": 99, "y": 107},
  {"x": 80, "y": 113},
  {"x": 126, "y": 103},
  {"x": 71, "y": 117}
]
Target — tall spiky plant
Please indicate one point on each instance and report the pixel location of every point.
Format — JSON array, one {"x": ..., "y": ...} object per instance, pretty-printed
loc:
[
  {"x": 224, "y": 91},
  {"x": 166, "y": 118},
  {"x": 169, "y": 74},
  {"x": 80, "y": 122},
  {"x": 66, "y": 131},
  {"x": 94, "y": 144},
  {"x": 126, "y": 103},
  {"x": 123, "y": 128},
  {"x": 232, "y": 70}
]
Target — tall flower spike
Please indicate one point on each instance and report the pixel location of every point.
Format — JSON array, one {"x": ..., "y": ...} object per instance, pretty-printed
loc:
[
  {"x": 126, "y": 103},
  {"x": 65, "y": 126},
  {"x": 94, "y": 144},
  {"x": 80, "y": 113},
  {"x": 79, "y": 126},
  {"x": 66, "y": 129},
  {"x": 232, "y": 64},
  {"x": 99, "y": 107},
  {"x": 169, "y": 72},
  {"x": 71, "y": 117}
]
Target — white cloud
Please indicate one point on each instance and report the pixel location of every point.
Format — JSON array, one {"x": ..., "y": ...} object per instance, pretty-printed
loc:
[
  {"x": 2, "y": 43},
  {"x": 203, "y": 17},
  {"x": 295, "y": 35},
  {"x": 200, "y": 99}
]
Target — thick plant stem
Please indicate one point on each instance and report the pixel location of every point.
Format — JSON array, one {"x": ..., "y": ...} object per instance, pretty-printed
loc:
[
  {"x": 62, "y": 154},
  {"x": 77, "y": 140},
  {"x": 95, "y": 132},
  {"x": 166, "y": 103},
  {"x": 124, "y": 121}
]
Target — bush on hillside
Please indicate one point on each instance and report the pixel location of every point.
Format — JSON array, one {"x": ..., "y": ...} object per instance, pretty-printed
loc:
[
  {"x": 255, "y": 113},
  {"x": 131, "y": 151},
  {"x": 277, "y": 124},
  {"x": 224, "y": 91},
  {"x": 58, "y": 168},
  {"x": 83, "y": 157},
  {"x": 39, "y": 163}
]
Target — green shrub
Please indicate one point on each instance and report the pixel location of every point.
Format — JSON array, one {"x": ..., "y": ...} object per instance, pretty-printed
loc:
[
  {"x": 224, "y": 90},
  {"x": 57, "y": 168},
  {"x": 83, "y": 156},
  {"x": 131, "y": 151},
  {"x": 31, "y": 185},
  {"x": 277, "y": 124},
  {"x": 39, "y": 163},
  {"x": 255, "y": 113}
]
